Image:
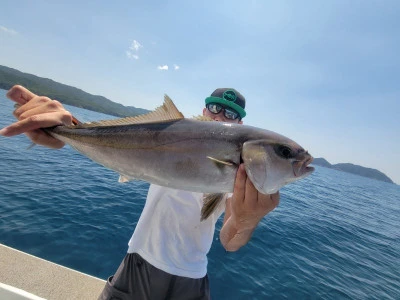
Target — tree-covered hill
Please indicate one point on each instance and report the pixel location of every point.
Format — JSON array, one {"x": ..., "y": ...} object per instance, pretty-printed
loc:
[
  {"x": 64, "y": 93},
  {"x": 354, "y": 169}
]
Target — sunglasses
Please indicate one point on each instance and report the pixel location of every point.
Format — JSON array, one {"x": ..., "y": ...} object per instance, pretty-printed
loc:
[{"x": 229, "y": 113}]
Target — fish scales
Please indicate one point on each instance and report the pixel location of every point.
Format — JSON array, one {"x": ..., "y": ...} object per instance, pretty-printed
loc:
[
  {"x": 164, "y": 148},
  {"x": 173, "y": 154}
]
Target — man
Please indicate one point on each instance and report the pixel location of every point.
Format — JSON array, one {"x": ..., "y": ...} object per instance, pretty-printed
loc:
[{"x": 167, "y": 254}]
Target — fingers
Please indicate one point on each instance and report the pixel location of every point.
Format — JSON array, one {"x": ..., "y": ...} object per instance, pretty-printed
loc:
[
  {"x": 36, "y": 101},
  {"x": 239, "y": 188},
  {"x": 246, "y": 192},
  {"x": 269, "y": 202},
  {"x": 41, "y": 138},
  {"x": 34, "y": 112},
  {"x": 37, "y": 121},
  {"x": 36, "y": 106},
  {"x": 20, "y": 94},
  {"x": 252, "y": 194}
]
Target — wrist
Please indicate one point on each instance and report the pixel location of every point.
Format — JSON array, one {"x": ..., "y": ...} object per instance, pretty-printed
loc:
[
  {"x": 242, "y": 224},
  {"x": 234, "y": 235}
]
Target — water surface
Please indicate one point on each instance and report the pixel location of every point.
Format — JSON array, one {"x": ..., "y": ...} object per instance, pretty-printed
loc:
[{"x": 334, "y": 235}]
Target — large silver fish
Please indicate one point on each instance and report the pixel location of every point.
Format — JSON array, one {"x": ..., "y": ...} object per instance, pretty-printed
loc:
[{"x": 164, "y": 148}]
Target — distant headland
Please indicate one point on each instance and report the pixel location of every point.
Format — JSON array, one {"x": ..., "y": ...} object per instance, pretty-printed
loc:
[
  {"x": 65, "y": 94},
  {"x": 354, "y": 169}
]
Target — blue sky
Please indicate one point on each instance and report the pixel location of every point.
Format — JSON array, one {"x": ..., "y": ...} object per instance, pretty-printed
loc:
[{"x": 324, "y": 73}]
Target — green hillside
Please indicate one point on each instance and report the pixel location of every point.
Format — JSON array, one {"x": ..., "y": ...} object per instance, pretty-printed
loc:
[
  {"x": 354, "y": 169},
  {"x": 64, "y": 93}
]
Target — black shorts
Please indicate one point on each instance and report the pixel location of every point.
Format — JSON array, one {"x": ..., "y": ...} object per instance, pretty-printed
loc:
[{"x": 137, "y": 279}]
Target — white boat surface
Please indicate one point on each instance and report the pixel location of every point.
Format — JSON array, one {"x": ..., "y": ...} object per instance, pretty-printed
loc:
[{"x": 24, "y": 276}]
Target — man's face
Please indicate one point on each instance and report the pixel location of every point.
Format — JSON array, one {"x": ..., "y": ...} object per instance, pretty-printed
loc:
[{"x": 220, "y": 117}]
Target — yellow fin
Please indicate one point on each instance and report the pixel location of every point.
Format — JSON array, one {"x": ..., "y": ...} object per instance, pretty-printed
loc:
[
  {"x": 202, "y": 118},
  {"x": 210, "y": 204},
  {"x": 163, "y": 113}
]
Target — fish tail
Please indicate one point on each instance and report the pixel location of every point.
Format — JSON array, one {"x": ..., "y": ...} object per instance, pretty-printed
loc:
[
  {"x": 210, "y": 204},
  {"x": 75, "y": 122}
]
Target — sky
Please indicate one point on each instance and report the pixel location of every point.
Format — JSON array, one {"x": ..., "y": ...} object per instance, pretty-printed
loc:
[{"x": 323, "y": 73}]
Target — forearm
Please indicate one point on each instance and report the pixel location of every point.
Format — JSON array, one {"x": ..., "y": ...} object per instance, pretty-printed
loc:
[{"x": 233, "y": 236}]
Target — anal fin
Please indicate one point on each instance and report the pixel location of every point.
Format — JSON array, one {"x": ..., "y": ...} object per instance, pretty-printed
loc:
[{"x": 210, "y": 204}]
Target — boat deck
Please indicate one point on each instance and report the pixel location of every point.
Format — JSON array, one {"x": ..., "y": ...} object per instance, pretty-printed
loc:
[{"x": 43, "y": 278}]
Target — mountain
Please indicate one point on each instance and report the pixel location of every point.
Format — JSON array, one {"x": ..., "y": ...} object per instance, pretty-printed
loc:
[
  {"x": 354, "y": 169},
  {"x": 319, "y": 161},
  {"x": 64, "y": 93}
]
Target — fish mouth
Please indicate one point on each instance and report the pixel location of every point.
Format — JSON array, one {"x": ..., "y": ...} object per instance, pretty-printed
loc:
[{"x": 301, "y": 168}]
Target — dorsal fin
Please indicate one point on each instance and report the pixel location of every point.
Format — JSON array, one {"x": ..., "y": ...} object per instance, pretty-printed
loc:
[
  {"x": 202, "y": 118},
  {"x": 164, "y": 113}
]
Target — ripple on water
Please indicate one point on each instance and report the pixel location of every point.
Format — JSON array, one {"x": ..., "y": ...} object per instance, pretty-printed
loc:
[{"x": 333, "y": 236}]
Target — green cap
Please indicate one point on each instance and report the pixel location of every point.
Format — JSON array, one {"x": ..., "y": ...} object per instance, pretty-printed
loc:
[{"x": 230, "y": 98}]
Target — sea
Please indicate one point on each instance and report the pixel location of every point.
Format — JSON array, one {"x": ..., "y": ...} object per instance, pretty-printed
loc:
[{"x": 334, "y": 235}]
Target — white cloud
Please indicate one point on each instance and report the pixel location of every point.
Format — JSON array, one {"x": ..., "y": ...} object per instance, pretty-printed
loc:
[
  {"x": 163, "y": 68},
  {"x": 176, "y": 67},
  {"x": 132, "y": 53},
  {"x": 8, "y": 31},
  {"x": 135, "y": 46}
]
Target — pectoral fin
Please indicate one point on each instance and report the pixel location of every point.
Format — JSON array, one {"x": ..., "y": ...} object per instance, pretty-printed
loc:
[{"x": 219, "y": 162}]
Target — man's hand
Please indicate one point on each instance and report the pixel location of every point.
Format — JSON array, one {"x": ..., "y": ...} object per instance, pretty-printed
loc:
[
  {"x": 244, "y": 210},
  {"x": 34, "y": 112},
  {"x": 248, "y": 206}
]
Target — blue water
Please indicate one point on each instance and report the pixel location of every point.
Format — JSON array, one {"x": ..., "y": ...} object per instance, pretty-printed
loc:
[{"x": 333, "y": 236}]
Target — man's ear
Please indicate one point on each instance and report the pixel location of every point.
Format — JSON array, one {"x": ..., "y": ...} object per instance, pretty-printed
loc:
[
  {"x": 204, "y": 111},
  {"x": 240, "y": 122}
]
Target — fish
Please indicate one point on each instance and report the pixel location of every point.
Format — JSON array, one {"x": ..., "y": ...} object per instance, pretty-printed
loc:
[{"x": 194, "y": 154}]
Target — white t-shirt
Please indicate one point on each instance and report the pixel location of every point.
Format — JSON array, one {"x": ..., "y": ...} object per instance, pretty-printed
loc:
[{"x": 169, "y": 234}]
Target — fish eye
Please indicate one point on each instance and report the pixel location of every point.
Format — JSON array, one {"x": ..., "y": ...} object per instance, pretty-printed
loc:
[{"x": 283, "y": 151}]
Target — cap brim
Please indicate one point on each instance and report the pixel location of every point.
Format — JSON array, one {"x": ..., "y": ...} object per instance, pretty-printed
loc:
[{"x": 230, "y": 104}]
